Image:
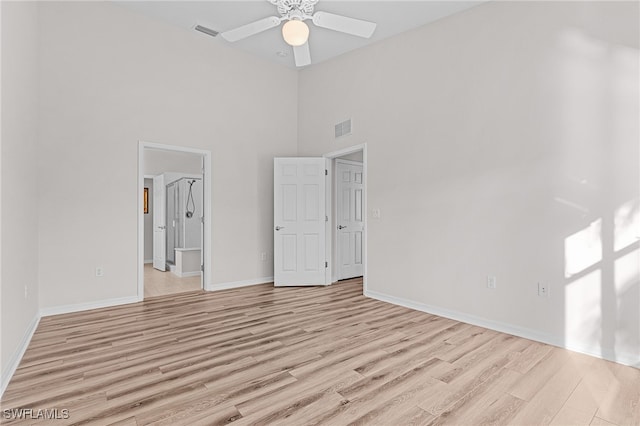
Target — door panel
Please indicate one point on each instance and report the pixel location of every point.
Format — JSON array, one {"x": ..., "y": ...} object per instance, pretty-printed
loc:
[
  {"x": 299, "y": 221},
  {"x": 350, "y": 219},
  {"x": 159, "y": 224},
  {"x": 289, "y": 252},
  {"x": 345, "y": 248}
]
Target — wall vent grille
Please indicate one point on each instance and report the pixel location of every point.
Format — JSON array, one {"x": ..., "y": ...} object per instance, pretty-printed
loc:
[
  {"x": 343, "y": 129},
  {"x": 205, "y": 30}
]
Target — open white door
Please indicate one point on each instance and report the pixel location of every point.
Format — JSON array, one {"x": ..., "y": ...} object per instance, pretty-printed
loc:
[
  {"x": 350, "y": 218},
  {"x": 202, "y": 244},
  {"x": 299, "y": 216},
  {"x": 159, "y": 224}
]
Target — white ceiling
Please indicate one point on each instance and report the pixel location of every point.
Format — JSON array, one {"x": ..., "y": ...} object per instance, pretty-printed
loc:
[{"x": 392, "y": 17}]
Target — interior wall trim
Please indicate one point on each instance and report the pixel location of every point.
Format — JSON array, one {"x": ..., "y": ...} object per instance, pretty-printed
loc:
[
  {"x": 238, "y": 284},
  {"x": 67, "y": 309}
]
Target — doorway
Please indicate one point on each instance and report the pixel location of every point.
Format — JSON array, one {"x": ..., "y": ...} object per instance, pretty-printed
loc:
[
  {"x": 174, "y": 232},
  {"x": 349, "y": 216},
  {"x": 347, "y": 204}
]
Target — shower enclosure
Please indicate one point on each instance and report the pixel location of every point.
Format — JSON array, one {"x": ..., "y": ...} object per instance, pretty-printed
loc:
[{"x": 184, "y": 213}]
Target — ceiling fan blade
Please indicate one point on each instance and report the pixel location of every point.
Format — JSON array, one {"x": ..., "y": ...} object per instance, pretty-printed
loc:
[
  {"x": 251, "y": 29},
  {"x": 344, "y": 24},
  {"x": 302, "y": 55}
]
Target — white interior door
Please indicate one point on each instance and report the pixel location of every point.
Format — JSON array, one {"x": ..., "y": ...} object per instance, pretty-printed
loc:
[
  {"x": 299, "y": 216},
  {"x": 202, "y": 245},
  {"x": 349, "y": 219},
  {"x": 159, "y": 223}
]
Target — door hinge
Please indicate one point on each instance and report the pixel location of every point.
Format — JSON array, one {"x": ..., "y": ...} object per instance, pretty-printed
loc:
[
  {"x": 326, "y": 172},
  {"x": 201, "y": 219},
  {"x": 326, "y": 218},
  {"x": 202, "y": 268},
  {"x": 326, "y": 264}
]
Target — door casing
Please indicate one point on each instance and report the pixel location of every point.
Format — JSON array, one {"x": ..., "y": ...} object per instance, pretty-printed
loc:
[{"x": 331, "y": 211}]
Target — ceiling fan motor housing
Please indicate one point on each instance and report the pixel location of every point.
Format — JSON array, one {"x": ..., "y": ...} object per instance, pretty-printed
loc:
[{"x": 289, "y": 8}]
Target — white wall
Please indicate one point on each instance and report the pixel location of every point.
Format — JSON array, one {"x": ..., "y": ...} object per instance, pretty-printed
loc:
[
  {"x": 192, "y": 234},
  {"x": 501, "y": 141},
  {"x": 18, "y": 224},
  {"x": 110, "y": 78}
]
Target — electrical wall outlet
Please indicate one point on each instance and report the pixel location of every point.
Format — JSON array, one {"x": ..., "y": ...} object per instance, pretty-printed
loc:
[
  {"x": 99, "y": 271},
  {"x": 543, "y": 290},
  {"x": 376, "y": 213},
  {"x": 491, "y": 282}
]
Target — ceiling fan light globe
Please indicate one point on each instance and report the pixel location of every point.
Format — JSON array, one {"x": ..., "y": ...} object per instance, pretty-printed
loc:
[{"x": 295, "y": 32}]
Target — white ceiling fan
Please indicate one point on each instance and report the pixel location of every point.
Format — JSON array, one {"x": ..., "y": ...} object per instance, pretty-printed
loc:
[{"x": 295, "y": 32}]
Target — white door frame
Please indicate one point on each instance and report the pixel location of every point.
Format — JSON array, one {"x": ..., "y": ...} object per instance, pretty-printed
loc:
[
  {"x": 330, "y": 197},
  {"x": 206, "y": 182}
]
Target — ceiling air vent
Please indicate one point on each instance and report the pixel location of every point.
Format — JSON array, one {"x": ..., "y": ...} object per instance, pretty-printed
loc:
[
  {"x": 205, "y": 30},
  {"x": 343, "y": 129}
]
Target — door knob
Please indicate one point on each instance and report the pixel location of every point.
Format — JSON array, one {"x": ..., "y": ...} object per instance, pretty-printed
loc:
[
  {"x": 341, "y": 227},
  {"x": 279, "y": 228},
  {"x": 161, "y": 227}
]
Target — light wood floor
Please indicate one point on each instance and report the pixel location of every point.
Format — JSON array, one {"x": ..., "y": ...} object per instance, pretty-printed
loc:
[
  {"x": 158, "y": 283},
  {"x": 307, "y": 356}
]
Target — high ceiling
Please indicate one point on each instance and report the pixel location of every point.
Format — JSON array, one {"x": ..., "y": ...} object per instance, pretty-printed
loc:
[{"x": 392, "y": 17}]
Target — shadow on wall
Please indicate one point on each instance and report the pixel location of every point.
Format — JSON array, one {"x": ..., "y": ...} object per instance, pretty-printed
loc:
[{"x": 600, "y": 96}]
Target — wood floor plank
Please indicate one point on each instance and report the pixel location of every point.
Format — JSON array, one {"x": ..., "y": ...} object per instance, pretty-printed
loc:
[
  {"x": 540, "y": 374},
  {"x": 363, "y": 406},
  {"x": 597, "y": 421},
  {"x": 546, "y": 403},
  {"x": 303, "y": 356},
  {"x": 486, "y": 403},
  {"x": 294, "y": 397},
  {"x": 395, "y": 409},
  {"x": 414, "y": 416},
  {"x": 621, "y": 404},
  {"x": 529, "y": 357},
  {"x": 569, "y": 416}
]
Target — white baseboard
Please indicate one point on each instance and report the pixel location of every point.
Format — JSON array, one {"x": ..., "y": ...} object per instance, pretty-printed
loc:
[
  {"x": 238, "y": 284},
  {"x": 186, "y": 274},
  {"x": 559, "y": 341},
  {"x": 67, "y": 309},
  {"x": 146, "y": 261},
  {"x": 7, "y": 374}
]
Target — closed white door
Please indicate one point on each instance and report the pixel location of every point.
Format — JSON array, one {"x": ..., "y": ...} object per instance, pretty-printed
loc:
[
  {"x": 350, "y": 219},
  {"x": 299, "y": 222},
  {"x": 159, "y": 224}
]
